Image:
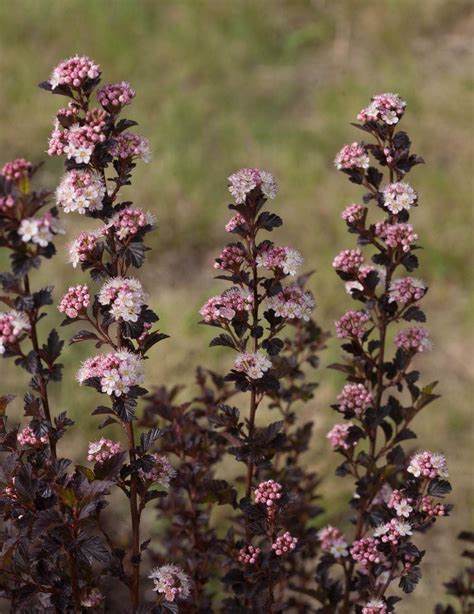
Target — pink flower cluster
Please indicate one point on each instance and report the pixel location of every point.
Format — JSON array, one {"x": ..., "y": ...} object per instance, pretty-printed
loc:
[
  {"x": 114, "y": 96},
  {"x": 74, "y": 72},
  {"x": 355, "y": 398},
  {"x": 391, "y": 532},
  {"x": 75, "y": 301},
  {"x": 352, "y": 325},
  {"x": 171, "y": 581},
  {"x": 16, "y": 170},
  {"x": 124, "y": 296},
  {"x": 396, "y": 236},
  {"x": 27, "y": 437},
  {"x": 103, "y": 449},
  {"x": 128, "y": 222},
  {"x": 83, "y": 246},
  {"x": 286, "y": 259},
  {"x": 226, "y": 306},
  {"x": 116, "y": 371},
  {"x": 80, "y": 191},
  {"x": 429, "y": 465},
  {"x": 333, "y": 542},
  {"x": 365, "y": 552},
  {"x": 354, "y": 214},
  {"x": 92, "y": 599},
  {"x": 235, "y": 220},
  {"x": 249, "y": 555},
  {"x": 284, "y": 544},
  {"x": 162, "y": 471},
  {"x": 13, "y": 324},
  {"x": 130, "y": 146},
  {"x": 389, "y": 108},
  {"x": 246, "y": 180},
  {"x": 268, "y": 493},
  {"x": 375, "y": 606},
  {"x": 253, "y": 365},
  {"x": 230, "y": 258},
  {"x": 67, "y": 116},
  {"x": 338, "y": 436},
  {"x": 6, "y": 203},
  {"x": 406, "y": 290},
  {"x": 348, "y": 261},
  {"x": 292, "y": 303},
  {"x": 352, "y": 157},
  {"x": 399, "y": 196},
  {"x": 77, "y": 142},
  {"x": 41, "y": 230},
  {"x": 431, "y": 509},
  {"x": 402, "y": 505},
  {"x": 414, "y": 339}
]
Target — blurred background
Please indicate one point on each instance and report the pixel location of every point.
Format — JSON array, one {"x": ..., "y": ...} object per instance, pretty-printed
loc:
[{"x": 272, "y": 84}]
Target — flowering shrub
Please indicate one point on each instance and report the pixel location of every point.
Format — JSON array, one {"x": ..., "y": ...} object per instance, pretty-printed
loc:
[{"x": 252, "y": 541}]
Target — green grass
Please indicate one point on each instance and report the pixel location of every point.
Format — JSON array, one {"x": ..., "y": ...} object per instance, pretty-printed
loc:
[{"x": 270, "y": 83}]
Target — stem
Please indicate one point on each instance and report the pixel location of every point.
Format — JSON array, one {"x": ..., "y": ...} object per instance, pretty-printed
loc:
[
  {"x": 135, "y": 584},
  {"x": 41, "y": 379}
]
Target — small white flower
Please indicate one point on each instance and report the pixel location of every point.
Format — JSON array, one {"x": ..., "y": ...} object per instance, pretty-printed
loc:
[{"x": 403, "y": 508}]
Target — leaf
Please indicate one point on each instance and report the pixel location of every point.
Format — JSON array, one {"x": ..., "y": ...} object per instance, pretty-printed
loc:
[
  {"x": 84, "y": 335},
  {"x": 45, "y": 520},
  {"x": 90, "y": 548},
  {"x": 222, "y": 339},
  {"x": 405, "y": 434},
  {"x": 408, "y": 583},
  {"x": 147, "y": 439},
  {"x": 414, "y": 313},
  {"x": 133, "y": 253},
  {"x": 273, "y": 346},
  {"x": 439, "y": 488},
  {"x": 268, "y": 221}
]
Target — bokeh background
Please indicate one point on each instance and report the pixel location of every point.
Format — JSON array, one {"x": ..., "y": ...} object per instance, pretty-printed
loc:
[{"x": 223, "y": 84}]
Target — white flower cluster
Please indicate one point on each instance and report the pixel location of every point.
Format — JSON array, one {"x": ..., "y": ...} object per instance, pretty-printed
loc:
[
  {"x": 171, "y": 581},
  {"x": 292, "y": 303},
  {"x": 80, "y": 191},
  {"x": 399, "y": 196},
  {"x": 125, "y": 297},
  {"x": 285, "y": 258},
  {"x": 116, "y": 371},
  {"x": 253, "y": 365},
  {"x": 245, "y": 180},
  {"x": 39, "y": 230}
]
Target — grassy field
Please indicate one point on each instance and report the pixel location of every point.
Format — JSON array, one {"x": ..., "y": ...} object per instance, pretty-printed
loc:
[{"x": 274, "y": 84}]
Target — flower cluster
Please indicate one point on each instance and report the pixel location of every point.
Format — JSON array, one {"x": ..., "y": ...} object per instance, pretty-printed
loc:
[
  {"x": 230, "y": 258},
  {"x": 233, "y": 303},
  {"x": 171, "y": 581},
  {"x": 129, "y": 221},
  {"x": 375, "y": 606},
  {"x": 338, "y": 436},
  {"x": 74, "y": 72},
  {"x": 333, "y": 542},
  {"x": 249, "y": 555},
  {"x": 348, "y": 261},
  {"x": 365, "y": 551},
  {"x": 83, "y": 246},
  {"x": 388, "y": 108},
  {"x": 78, "y": 141},
  {"x": 80, "y": 191},
  {"x": 27, "y": 437},
  {"x": 292, "y": 303},
  {"x": 413, "y": 339},
  {"x": 114, "y": 96},
  {"x": 399, "y": 196},
  {"x": 92, "y": 599},
  {"x": 117, "y": 372},
  {"x": 268, "y": 493},
  {"x": 354, "y": 214},
  {"x": 392, "y": 531},
  {"x": 355, "y": 398},
  {"x": 244, "y": 181},
  {"x": 16, "y": 170},
  {"x": 40, "y": 231},
  {"x": 402, "y": 505},
  {"x": 130, "y": 146},
  {"x": 284, "y": 543},
  {"x": 6, "y": 203},
  {"x": 407, "y": 290},
  {"x": 275, "y": 258},
  {"x": 235, "y": 221},
  {"x": 125, "y": 297},
  {"x": 162, "y": 472},
  {"x": 429, "y": 465},
  {"x": 75, "y": 301},
  {"x": 13, "y": 325},
  {"x": 352, "y": 325},
  {"x": 253, "y": 365},
  {"x": 103, "y": 449},
  {"x": 396, "y": 236},
  {"x": 352, "y": 157}
]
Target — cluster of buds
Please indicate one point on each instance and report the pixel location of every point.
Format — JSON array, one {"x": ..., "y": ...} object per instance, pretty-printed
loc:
[
  {"x": 103, "y": 449},
  {"x": 268, "y": 494},
  {"x": 284, "y": 544},
  {"x": 233, "y": 303},
  {"x": 27, "y": 437},
  {"x": 249, "y": 555},
  {"x": 13, "y": 327},
  {"x": 75, "y": 301},
  {"x": 162, "y": 472}
]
